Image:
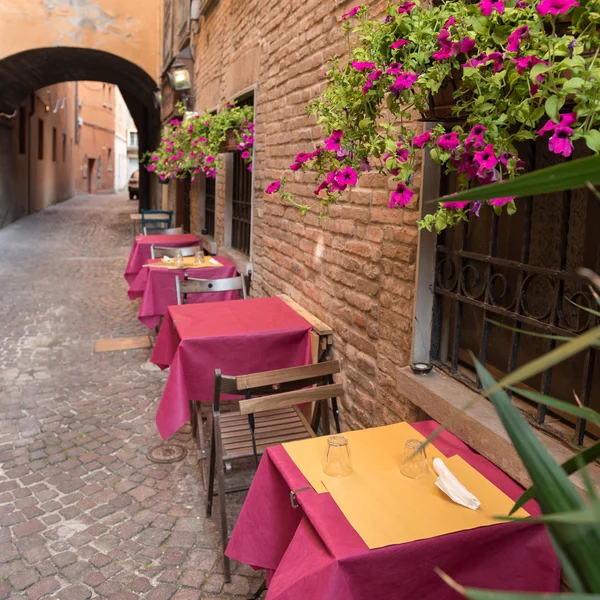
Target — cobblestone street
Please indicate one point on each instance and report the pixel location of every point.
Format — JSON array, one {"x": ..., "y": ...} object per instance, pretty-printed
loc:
[{"x": 83, "y": 512}]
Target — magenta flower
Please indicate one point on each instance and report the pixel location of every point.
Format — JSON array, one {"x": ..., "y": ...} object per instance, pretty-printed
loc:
[
  {"x": 315, "y": 152},
  {"x": 420, "y": 140},
  {"x": 250, "y": 167},
  {"x": 560, "y": 142},
  {"x": 394, "y": 69},
  {"x": 361, "y": 66},
  {"x": 521, "y": 4},
  {"x": 566, "y": 120},
  {"x": 498, "y": 59},
  {"x": 448, "y": 141},
  {"x": 466, "y": 45},
  {"x": 487, "y": 7},
  {"x": 302, "y": 157},
  {"x": 501, "y": 201},
  {"x": 475, "y": 137},
  {"x": 480, "y": 59},
  {"x": 451, "y": 21},
  {"x": 486, "y": 159},
  {"x": 351, "y": 13},
  {"x": 401, "y": 196},
  {"x": 467, "y": 165},
  {"x": 322, "y": 186},
  {"x": 295, "y": 166},
  {"x": 332, "y": 180},
  {"x": 333, "y": 141},
  {"x": 516, "y": 37},
  {"x": 210, "y": 159},
  {"x": 402, "y": 153},
  {"x": 556, "y": 7},
  {"x": 404, "y": 81},
  {"x": 245, "y": 155},
  {"x": 456, "y": 205},
  {"x": 365, "y": 166},
  {"x": 406, "y": 7},
  {"x": 154, "y": 158},
  {"x": 151, "y": 167},
  {"x": 399, "y": 43},
  {"x": 443, "y": 54},
  {"x": 273, "y": 187},
  {"x": 371, "y": 79},
  {"x": 347, "y": 177}
]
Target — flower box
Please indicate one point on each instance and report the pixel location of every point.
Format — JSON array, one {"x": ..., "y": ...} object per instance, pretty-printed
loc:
[
  {"x": 441, "y": 105},
  {"x": 231, "y": 143}
]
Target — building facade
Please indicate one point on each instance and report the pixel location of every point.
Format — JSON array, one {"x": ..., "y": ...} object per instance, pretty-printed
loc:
[{"x": 394, "y": 296}]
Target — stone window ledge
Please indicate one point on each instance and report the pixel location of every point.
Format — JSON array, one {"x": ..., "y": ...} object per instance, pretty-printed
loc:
[
  {"x": 242, "y": 263},
  {"x": 208, "y": 243},
  {"x": 440, "y": 396}
]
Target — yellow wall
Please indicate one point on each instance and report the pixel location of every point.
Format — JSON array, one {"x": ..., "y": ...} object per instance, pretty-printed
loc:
[{"x": 127, "y": 28}]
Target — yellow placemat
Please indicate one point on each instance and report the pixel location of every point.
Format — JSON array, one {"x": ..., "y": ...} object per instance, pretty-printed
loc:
[
  {"x": 376, "y": 449},
  {"x": 386, "y": 508},
  {"x": 188, "y": 263}
]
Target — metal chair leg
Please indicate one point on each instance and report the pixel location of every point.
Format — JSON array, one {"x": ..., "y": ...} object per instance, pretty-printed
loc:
[
  {"x": 258, "y": 593},
  {"x": 211, "y": 474},
  {"x": 217, "y": 445}
]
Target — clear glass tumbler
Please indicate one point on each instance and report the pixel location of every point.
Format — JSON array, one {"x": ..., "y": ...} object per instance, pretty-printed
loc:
[
  {"x": 414, "y": 460},
  {"x": 337, "y": 459},
  {"x": 178, "y": 258},
  {"x": 199, "y": 257}
]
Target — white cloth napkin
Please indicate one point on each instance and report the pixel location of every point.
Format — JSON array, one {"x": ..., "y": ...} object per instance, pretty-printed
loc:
[
  {"x": 452, "y": 487},
  {"x": 212, "y": 261},
  {"x": 166, "y": 259}
]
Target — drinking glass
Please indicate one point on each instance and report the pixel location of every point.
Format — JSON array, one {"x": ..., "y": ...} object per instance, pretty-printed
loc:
[
  {"x": 337, "y": 459},
  {"x": 414, "y": 460},
  {"x": 199, "y": 257},
  {"x": 179, "y": 258}
]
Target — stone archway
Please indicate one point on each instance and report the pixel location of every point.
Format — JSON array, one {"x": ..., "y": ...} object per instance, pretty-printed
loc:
[{"x": 23, "y": 73}]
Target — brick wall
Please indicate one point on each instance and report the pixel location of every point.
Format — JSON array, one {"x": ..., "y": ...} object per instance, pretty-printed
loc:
[{"x": 354, "y": 270}]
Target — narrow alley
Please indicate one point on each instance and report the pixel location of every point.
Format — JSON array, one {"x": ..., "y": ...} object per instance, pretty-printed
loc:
[{"x": 83, "y": 511}]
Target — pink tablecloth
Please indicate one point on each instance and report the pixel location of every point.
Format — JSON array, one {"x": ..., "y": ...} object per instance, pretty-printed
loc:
[
  {"x": 140, "y": 251},
  {"x": 156, "y": 288},
  {"x": 313, "y": 552},
  {"x": 238, "y": 337}
]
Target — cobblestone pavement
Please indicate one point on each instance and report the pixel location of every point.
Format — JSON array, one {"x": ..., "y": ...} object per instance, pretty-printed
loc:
[{"x": 83, "y": 512}]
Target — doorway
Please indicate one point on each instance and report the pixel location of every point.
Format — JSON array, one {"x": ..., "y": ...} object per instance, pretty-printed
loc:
[{"x": 91, "y": 172}]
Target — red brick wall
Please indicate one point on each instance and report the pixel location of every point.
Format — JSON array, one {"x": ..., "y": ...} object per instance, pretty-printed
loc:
[{"x": 355, "y": 270}]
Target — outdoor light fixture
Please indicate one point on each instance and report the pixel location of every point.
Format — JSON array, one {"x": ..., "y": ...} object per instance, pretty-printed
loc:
[{"x": 180, "y": 79}]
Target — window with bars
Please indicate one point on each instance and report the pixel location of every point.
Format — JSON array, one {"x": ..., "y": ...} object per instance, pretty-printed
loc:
[
  {"x": 241, "y": 204},
  {"x": 500, "y": 278},
  {"x": 209, "y": 205}
]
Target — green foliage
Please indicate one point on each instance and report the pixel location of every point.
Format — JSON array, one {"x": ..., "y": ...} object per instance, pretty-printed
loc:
[
  {"x": 191, "y": 143},
  {"x": 508, "y": 84}
]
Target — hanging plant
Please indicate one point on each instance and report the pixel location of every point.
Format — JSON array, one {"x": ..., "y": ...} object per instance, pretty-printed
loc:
[
  {"x": 506, "y": 71},
  {"x": 192, "y": 143}
]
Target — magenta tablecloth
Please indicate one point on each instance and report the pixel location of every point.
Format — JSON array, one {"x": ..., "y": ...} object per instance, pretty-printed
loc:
[
  {"x": 156, "y": 288},
  {"x": 313, "y": 552},
  {"x": 238, "y": 337},
  {"x": 140, "y": 251}
]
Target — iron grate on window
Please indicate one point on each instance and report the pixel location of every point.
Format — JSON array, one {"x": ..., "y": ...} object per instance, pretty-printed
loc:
[
  {"x": 241, "y": 204},
  {"x": 500, "y": 278},
  {"x": 209, "y": 206}
]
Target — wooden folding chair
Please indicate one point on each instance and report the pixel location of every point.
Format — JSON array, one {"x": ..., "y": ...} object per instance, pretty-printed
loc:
[
  {"x": 160, "y": 251},
  {"x": 156, "y": 231},
  {"x": 156, "y": 220},
  {"x": 192, "y": 285},
  {"x": 269, "y": 415}
]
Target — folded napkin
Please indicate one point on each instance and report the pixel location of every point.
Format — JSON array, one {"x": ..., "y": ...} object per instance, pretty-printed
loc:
[
  {"x": 212, "y": 261},
  {"x": 452, "y": 487},
  {"x": 166, "y": 259}
]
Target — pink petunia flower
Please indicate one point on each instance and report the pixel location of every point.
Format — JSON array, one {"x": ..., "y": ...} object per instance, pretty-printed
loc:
[
  {"x": 333, "y": 141},
  {"x": 371, "y": 79},
  {"x": 295, "y": 166},
  {"x": 420, "y": 140},
  {"x": 351, "y": 13},
  {"x": 347, "y": 177},
  {"x": 151, "y": 167},
  {"x": 401, "y": 196},
  {"x": 273, "y": 187},
  {"x": 467, "y": 165},
  {"x": 451, "y": 21},
  {"x": 566, "y": 120},
  {"x": 475, "y": 137},
  {"x": 456, "y": 205},
  {"x": 480, "y": 59},
  {"x": 365, "y": 166},
  {"x": 398, "y": 44},
  {"x": 406, "y": 7},
  {"x": 521, "y": 4},
  {"x": 516, "y": 37},
  {"x": 302, "y": 157},
  {"x": 321, "y": 186},
  {"x": 404, "y": 81},
  {"x": 560, "y": 142},
  {"x": 245, "y": 155},
  {"x": 361, "y": 66},
  {"x": 448, "y": 141},
  {"x": 556, "y": 7},
  {"x": 487, "y": 7},
  {"x": 332, "y": 180},
  {"x": 402, "y": 154},
  {"x": 486, "y": 158},
  {"x": 210, "y": 159},
  {"x": 394, "y": 69},
  {"x": 501, "y": 201},
  {"x": 466, "y": 45}
]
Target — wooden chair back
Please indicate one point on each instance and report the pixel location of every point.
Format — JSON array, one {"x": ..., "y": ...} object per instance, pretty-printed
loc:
[
  {"x": 155, "y": 220},
  {"x": 160, "y": 251},
  {"x": 158, "y": 231},
  {"x": 192, "y": 285}
]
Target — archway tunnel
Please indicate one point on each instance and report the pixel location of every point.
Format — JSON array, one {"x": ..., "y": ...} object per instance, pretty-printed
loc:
[{"x": 24, "y": 73}]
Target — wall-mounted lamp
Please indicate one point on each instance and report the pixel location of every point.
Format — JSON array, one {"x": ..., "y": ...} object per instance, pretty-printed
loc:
[{"x": 180, "y": 78}]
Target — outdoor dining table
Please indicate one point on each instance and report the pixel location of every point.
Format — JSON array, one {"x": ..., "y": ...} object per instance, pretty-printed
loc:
[
  {"x": 313, "y": 552},
  {"x": 156, "y": 287},
  {"x": 238, "y": 337},
  {"x": 141, "y": 252}
]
